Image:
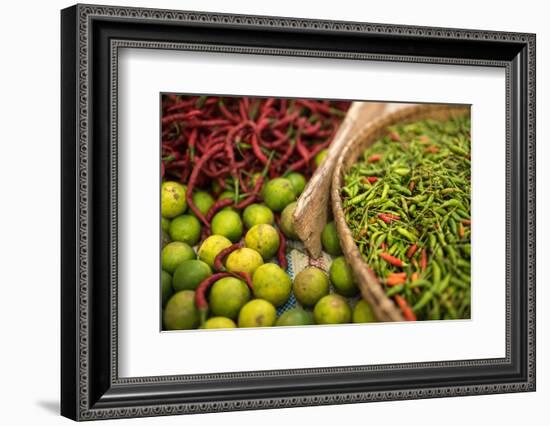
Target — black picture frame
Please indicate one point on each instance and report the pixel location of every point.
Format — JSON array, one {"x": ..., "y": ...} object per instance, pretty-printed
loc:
[{"x": 90, "y": 386}]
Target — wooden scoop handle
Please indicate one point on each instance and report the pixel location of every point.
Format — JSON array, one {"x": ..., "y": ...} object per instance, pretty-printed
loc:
[{"x": 313, "y": 204}]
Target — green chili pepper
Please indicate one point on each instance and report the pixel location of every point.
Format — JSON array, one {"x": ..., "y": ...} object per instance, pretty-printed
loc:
[{"x": 407, "y": 234}]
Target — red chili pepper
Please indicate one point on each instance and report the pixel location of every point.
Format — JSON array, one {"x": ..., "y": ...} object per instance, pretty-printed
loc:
[
  {"x": 407, "y": 311},
  {"x": 220, "y": 257},
  {"x": 374, "y": 158},
  {"x": 423, "y": 260},
  {"x": 466, "y": 221},
  {"x": 411, "y": 185},
  {"x": 388, "y": 217},
  {"x": 392, "y": 260},
  {"x": 200, "y": 294},
  {"x": 180, "y": 116},
  {"x": 193, "y": 179},
  {"x": 371, "y": 179},
  {"x": 252, "y": 197},
  {"x": 396, "y": 278},
  {"x": 281, "y": 252},
  {"x": 412, "y": 250},
  {"x": 394, "y": 136},
  {"x": 217, "y": 206},
  {"x": 257, "y": 150},
  {"x": 432, "y": 149}
]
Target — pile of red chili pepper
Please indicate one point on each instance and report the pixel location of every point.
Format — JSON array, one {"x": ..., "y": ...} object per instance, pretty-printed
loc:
[{"x": 221, "y": 143}]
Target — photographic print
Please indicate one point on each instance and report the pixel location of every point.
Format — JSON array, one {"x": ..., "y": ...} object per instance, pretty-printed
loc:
[
  {"x": 306, "y": 212},
  {"x": 315, "y": 210}
]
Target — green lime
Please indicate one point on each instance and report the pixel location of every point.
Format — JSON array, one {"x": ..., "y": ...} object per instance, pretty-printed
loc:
[
  {"x": 298, "y": 182},
  {"x": 296, "y": 316},
  {"x": 172, "y": 199},
  {"x": 185, "y": 228},
  {"x": 203, "y": 201},
  {"x": 272, "y": 284},
  {"x": 332, "y": 309},
  {"x": 244, "y": 260},
  {"x": 278, "y": 193},
  {"x": 257, "y": 313},
  {"x": 166, "y": 283},
  {"x": 180, "y": 312},
  {"x": 320, "y": 157},
  {"x": 210, "y": 248},
  {"x": 310, "y": 285},
  {"x": 189, "y": 274},
  {"x": 165, "y": 238},
  {"x": 175, "y": 253},
  {"x": 264, "y": 239},
  {"x": 219, "y": 322},
  {"x": 363, "y": 312},
  {"x": 227, "y": 297},
  {"x": 164, "y": 224},
  {"x": 256, "y": 214},
  {"x": 341, "y": 277},
  {"x": 228, "y": 223},
  {"x": 329, "y": 238},
  {"x": 287, "y": 221}
]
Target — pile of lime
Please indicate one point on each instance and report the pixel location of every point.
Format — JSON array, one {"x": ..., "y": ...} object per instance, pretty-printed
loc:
[{"x": 314, "y": 296}]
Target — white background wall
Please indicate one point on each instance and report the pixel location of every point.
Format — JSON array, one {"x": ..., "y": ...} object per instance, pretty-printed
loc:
[{"x": 29, "y": 211}]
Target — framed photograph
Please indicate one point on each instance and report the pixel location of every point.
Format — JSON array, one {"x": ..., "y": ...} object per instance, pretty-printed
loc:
[{"x": 263, "y": 212}]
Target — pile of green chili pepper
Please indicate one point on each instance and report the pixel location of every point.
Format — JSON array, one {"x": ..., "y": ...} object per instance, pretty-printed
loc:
[{"x": 407, "y": 202}]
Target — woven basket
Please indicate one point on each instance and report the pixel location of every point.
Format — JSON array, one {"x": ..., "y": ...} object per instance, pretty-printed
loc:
[{"x": 371, "y": 289}]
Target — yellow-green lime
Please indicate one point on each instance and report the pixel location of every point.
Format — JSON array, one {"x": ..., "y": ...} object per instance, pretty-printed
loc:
[
  {"x": 175, "y": 253},
  {"x": 329, "y": 238},
  {"x": 310, "y": 284},
  {"x": 363, "y": 312},
  {"x": 341, "y": 277},
  {"x": 244, "y": 260},
  {"x": 298, "y": 182},
  {"x": 287, "y": 221},
  {"x": 180, "y": 312},
  {"x": 256, "y": 214},
  {"x": 332, "y": 309},
  {"x": 189, "y": 274},
  {"x": 210, "y": 248},
  {"x": 228, "y": 223},
  {"x": 271, "y": 283},
  {"x": 295, "y": 316},
  {"x": 172, "y": 200},
  {"x": 166, "y": 284},
  {"x": 257, "y": 313},
  {"x": 264, "y": 239},
  {"x": 278, "y": 193},
  {"x": 164, "y": 224},
  {"x": 320, "y": 157},
  {"x": 185, "y": 228},
  {"x": 227, "y": 297},
  {"x": 203, "y": 201},
  {"x": 219, "y": 322}
]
